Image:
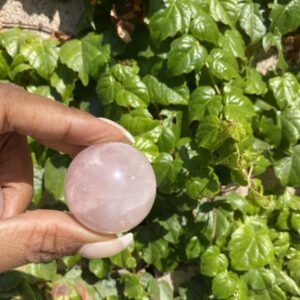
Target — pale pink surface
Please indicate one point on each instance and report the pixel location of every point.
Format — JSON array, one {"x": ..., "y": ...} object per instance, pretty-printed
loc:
[{"x": 110, "y": 187}]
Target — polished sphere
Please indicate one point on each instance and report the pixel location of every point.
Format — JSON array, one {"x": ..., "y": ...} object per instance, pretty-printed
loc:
[{"x": 110, "y": 187}]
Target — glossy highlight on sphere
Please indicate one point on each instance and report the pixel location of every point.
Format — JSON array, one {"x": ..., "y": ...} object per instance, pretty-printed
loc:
[{"x": 110, "y": 187}]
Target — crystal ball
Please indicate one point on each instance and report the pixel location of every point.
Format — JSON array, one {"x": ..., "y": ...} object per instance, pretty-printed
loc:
[{"x": 110, "y": 187}]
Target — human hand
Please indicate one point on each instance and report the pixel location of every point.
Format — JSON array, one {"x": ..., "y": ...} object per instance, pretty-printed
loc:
[{"x": 44, "y": 235}]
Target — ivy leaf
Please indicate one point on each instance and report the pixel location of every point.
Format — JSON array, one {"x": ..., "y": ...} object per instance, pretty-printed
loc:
[
  {"x": 132, "y": 289},
  {"x": 259, "y": 279},
  {"x": 54, "y": 175},
  {"x": 223, "y": 64},
  {"x": 83, "y": 56},
  {"x": 210, "y": 134},
  {"x": 208, "y": 185},
  {"x": 287, "y": 169},
  {"x": 225, "y": 11},
  {"x": 254, "y": 82},
  {"x": 213, "y": 262},
  {"x": 186, "y": 55},
  {"x": 233, "y": 43},
  {"x": 169, "y": 20},
  {"x": 13, "y": 39},
  {"x": 252, "y": 22},
  {"x": 285, "y": 17},
  {"x": 173, "y": 228},
  {"x": 160, "y": 93},
  {"x": 100, "y": 267},
  {"x": 42, "y": 56},
  {"x": 249, "y": 248},
  {"x": 285, "y": 282},
  {"x": 166, "y": 141},
  {"x": 290, "y": 123},
  {"x": 193, "y": 248},
  {"x": 106, "y": 89},
  {"x": 286, "y": 90},
  {"x": 224, "y": 285},
  {"x": 204, "y": 28},
  {"x": 45, "y": 271},
  {"x": 160, "y": 290},
  {"x": 63, "y": 80},
  {"x": 167, "y": 171},
  {"x": 204, "y": 102}
]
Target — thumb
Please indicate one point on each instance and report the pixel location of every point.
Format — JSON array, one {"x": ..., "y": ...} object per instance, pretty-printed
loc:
[{"x": 44, "y": 235}]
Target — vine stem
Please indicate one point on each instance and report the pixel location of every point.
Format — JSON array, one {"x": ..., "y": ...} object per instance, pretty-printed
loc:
[{"x": 212, "y": 79}]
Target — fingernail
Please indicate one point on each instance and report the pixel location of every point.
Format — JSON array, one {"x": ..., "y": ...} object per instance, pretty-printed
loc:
[
  {"x": 126, "y": 133},
  {"x": 106, "y": 248}
]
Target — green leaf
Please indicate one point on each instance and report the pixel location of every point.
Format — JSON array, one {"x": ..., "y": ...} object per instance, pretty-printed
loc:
[
  {"x": 213, "y": 262},
  {"x": 259, "y": 279},
  {"x": 174, "y": 229},
  {"x": 252, "y": 22},
  {"x": 160, "y": 290},
  {"x": 167, "y": 171},
  {"x": 12, "y": 40},
  {"x": 38, "y": 172},
  {"x": 107, "y": 289},
  {"x": 204, "y": 28},
  {"x": 193, "y": 248},
  {"x": 254, "y": 82},
  {"x": 42, "y": 56},
  {"x": 223, "y": 64},
  {"x": 100, "y": 267},
  {"x": 290, "y": 123},
  {"x": 124, "y": 259},
  {"x": 186, "y": 55},
  {"x": 160, "y": 93},
  {"x": 83, "y": 56},
  {"x": 249, "y": 248},
  {"x": 225, "y": 11},
  {"x": 287, "y": 169},
  {"x": 175, "y": 16},
  {"x": 9, "y": 280},
  {"x": 63, "y": 80},
  {"x": 131, "y": 93},
  {"x": 54, "y": 175},
  {"x": 204, "y": 102},
  {"x": 133, "y": 289},
  {"x": 210, "y": 134},
  {"x": 285, "y": 282},
  {"x": 224, "y": 285},
  {"x": 286, "y": 90},
  {"x": 166, "y": 141},
  {"x": 45, "y": 271},
  {"x": 233, "y": 42},
  {"x": 285, "y": 17},
  {"x": 208, "y": 185},
  {"x": 106, "y": 89},
  {"x": 293, "y": 266}
]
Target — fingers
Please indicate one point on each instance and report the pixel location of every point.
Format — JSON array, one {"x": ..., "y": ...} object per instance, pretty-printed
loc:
[
  {"x": 16, "y": 174},
  {"x": 44, "y": 235},
  {"x": 45, "y": 119}
]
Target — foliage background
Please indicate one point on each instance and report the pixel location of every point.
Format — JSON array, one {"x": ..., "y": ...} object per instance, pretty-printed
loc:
[{"x": 222, "y": 138}]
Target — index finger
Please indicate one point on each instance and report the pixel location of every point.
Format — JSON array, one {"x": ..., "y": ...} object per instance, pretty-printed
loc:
[{"x": 42, "y": 118}]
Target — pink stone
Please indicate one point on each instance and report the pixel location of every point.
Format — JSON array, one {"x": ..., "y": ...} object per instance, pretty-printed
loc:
[{"x": 110, "y": 187}]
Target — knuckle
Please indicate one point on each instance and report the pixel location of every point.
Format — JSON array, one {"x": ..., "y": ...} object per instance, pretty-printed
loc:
[{"x": 49, "y": 245}]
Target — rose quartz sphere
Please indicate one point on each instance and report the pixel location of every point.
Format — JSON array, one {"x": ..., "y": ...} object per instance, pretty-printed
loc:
[{"x": 110, "y": 187}]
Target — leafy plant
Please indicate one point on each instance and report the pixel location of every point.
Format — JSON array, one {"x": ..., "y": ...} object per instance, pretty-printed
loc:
[{"x": 223, "y": 140}]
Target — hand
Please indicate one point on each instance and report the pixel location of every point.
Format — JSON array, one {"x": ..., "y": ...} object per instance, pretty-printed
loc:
[{"x": 43, "y": 235}]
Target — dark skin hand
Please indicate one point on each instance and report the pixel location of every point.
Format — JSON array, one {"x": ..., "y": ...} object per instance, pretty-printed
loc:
[{"x": 43, "y": 235}]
